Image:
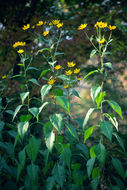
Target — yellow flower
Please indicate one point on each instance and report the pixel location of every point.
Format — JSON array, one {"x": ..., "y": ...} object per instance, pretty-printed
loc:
[
  {"x": 66, "y": 86},
  {"x": 50, "y": 24},
  {"x": 55, "y": 22},
  {"x": 33, "y": 27},
  {"x": 45, "y": 33},
  {"x": 51, "y": 95},
  {"x": 25, "y": 27},
  {"x": 59, "y": 25},
  {"x": 70, "y": 64},
  {"x": 101, "y": 24},
  {"x": 82, "y": 26},
  {"x": 51, "y": 81},
  {"x": 101, "y": 41},
  {"x": 57, "y": 67},
  {"x": 16, "y": 44},
  {"x": 112, "y": 27},
  {"x": 79, "y": 78},
  {"x": 69, "y": 72},
  {"x": 20, "y": 51},
  {"x": 76, "y": 71},
  {"x": 40, "y": 23},
  {"x": 4, "y": 77}
]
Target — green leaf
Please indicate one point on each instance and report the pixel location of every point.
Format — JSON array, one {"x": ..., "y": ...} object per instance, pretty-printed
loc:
[
  {"x": 74, "y": 92},
  {"x": 43, "y": 105},
  {"x": 115, "y": 107},
  {"x": 90, "y": 111},
  {"x": 94, "y": 183},
  {"x": 32, "y": 171},
  {"x": 33, "y": 147},
  {"x": 84, "y": 149},
  {"x": 16, "y": 111},
  {"x": 66, "y": 155},
  {"x": 58, "y": 92},
  {"x": 100, "y": 152},
  {"x": 78, "y": 177},
  {"x": 24, "y": 96},
  {"x": 72, "y": 130},
  {"x": 112, "y": 119},
  {"x": 23, "y": 128},
  {"x": 44, "y": 72},
  {"x": 63, "y": 77},
  {"x": 90, "y": 73},
  {"x": 64, "y": 103},
  {"x": 24, "y": 118},
  {"x": 95, "y": 91},
  {"x": 95, "y": 173},
  {"x": 49, "y": 140},
  {"x": 34, "y": 111},
  {"x": 88, "y": 133},
  {"x": 59, "y": 174},
  {"x": 109, "y": 65},
  {"x": 92, "y": 152},
  {"x": 50, "y": 183},
  {"x": 22, "y": 160},
  {"x": 34, "y": 81},
  {"x": 57, "y": 121},
  {"x": 45, "y": 90},
  {"x": 120, "y": 141},
  {"x": 107, "y": 129},
  {"x": 32, "y": 68},
  {"x": 93, "y": 52},
  {"x": 89, "y": 165},
  {"x": 118, "y": 166}
]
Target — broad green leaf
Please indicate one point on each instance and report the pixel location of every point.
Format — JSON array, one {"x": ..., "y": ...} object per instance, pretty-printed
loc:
[
  {"x": 23, "y": 128},
  {"x": 93, "y": 52},
  {"x": 74, "y": 92},
  {"x": 120, "y": 141},
  {"x": 43, "y": 105},
  {"x": 57, "y": 121},
  {"x": 24, "y": 118},
  {"x": 32, "y": 172},
  {"x": 58, "y": 92},
  {"x": 112, "y": 119},
  {"x": 107, "y": 129},
  {"x": 32, "y": 68},
  {"x": 95, "y": 173},
  {"x": 88, "y": 133},
  {"x": 58, "y": 53},
  {"x": 50, "y": 183},
  {"x": 59, "y": 174},
  {"x": 84, "y": 149},
  {"x": 32, "y": 148},
  {"x": 118, "y": 166},
  {"x": 49, "y": 140},
  {"x": 100, "y": 152},
  {"x": 66, "y": 155},
  {"x": 90, "y": 73},
  {"x": 34, "y": 81},
  {"x": 98, "y": 98},
  {"x": 94, "y": 92},
  {"x": 45, "y": 90},
  {"x": 89, "y": 165},
  {"x": 16, "y": 111},
  {"x": 34, "y": 111},
  {"x": 9, "y": 112},
  {"x": 114, "y": 188},
  {"x": 72, "y": 130},
  {"x": 115, "y": 107},
  {"x": 23, "y": 96},
  {"x": 64, "y": 103},
  {"x": 44, "y": 72},
  {"x": 92, "y": 152},
  {"x": 109, "y": 65},
  {"x": 22, "y": 160},
  {"x": 90, "y": 111},
  {"x": 78, "y": 177}
]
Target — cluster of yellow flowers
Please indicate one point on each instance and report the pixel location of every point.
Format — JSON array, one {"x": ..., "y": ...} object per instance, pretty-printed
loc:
[
  {"x": 70, "y": 65},
  {"x": 101, "y": 24},
  {"x": 56, "y": 23},
  {"x": 16, "y": 44}
]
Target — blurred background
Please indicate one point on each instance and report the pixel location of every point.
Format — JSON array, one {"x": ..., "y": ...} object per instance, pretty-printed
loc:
[{"x": 76, "y": 47}]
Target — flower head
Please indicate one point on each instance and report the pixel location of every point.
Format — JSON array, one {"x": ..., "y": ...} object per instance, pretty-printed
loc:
[
  {"x": 66, "y": 86},
  {"x": 82, "y": 26},
  {"x": 76, "y": 71},
  {"x": 20, "y": 51},
  {"x": 112, "y": 27},
  {"x": 101, "y": 41},
  {"x": 51, "y": 81},
  {"x": 101, "y": 24},
  {"x": 51, "y": 95},
  {"x": 79, "y": 78},
  {"x": 25, "y": 27},
  {"x": 4, "y": 77},
  {"x": 57, "y": 67},
  {"x": 70, "y": 64},
  {"x": 59, "y": 25},
  {"x": 40, "y": 23},
  {"x": 46, "y": 33},
  {"x": 16, "y": 44},
  {"x": 69, "y": 72},
  {"x": 55, "y": 22}
]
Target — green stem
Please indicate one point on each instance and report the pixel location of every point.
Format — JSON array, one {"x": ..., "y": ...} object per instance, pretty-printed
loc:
[{"x": 102, "y": 83}]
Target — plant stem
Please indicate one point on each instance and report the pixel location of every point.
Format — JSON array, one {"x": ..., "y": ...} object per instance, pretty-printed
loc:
[{"x": 102, "y": 83}]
